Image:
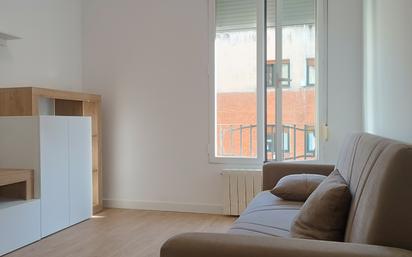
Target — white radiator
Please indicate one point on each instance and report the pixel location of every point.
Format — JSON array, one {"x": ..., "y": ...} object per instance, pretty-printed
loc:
[{"x": 240, "y": 186}]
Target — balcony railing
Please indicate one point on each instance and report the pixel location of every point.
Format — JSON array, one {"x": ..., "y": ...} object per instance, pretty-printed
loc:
[{"x": 240, "y": 140}]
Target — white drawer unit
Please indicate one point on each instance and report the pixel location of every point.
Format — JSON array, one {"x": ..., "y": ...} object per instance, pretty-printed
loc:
[
  {"x": 19, "y": 224},
  {"x": 59, "y": 150}
]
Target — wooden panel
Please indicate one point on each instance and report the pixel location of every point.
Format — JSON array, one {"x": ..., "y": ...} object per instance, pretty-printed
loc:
[
  {"x": 16, "y": 191},
  {"x": 95, "y": 178},
  {"x": 65, "y": 95},
  {"x": 95, "y": 154},
  {"x": 68, "y": 107},
  {"x": 15, "y": 102},
  {"x": 90, "y": 109},
  {"x": 16, "y": 184}
]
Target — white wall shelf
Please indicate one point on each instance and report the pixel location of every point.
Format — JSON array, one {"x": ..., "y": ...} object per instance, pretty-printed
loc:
[{"x": 6, "y": 37}]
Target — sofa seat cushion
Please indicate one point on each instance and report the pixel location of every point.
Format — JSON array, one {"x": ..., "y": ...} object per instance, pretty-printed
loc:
[{"x": 267, "y": 215}]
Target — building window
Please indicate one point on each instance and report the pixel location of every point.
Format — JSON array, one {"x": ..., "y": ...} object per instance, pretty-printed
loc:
[
  {"x": 310, "y": 141},
  {"x": 271, "y": 70},
  {"x": 286, "y": 140},
  {"x": 310, "y": 72},
  {"x": 242, "y": 73},
  {"x": 271, "y": 140}
]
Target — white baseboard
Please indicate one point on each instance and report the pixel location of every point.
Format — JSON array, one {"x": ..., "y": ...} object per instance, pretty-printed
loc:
[{"x": 163, "y": 206}]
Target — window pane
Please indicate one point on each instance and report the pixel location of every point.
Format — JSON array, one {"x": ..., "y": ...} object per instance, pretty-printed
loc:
[
  {"x": 235, "y": 79},
  {"x": 311, "y": 72},
  {"x": 298, "y": 101},
  {"x": 285, "y": 73},
  {"x": 291, "y": 97},
  {"x": 271, "y": 139}
]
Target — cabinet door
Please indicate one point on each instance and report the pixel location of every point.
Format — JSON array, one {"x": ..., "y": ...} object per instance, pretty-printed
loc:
[
  {"x": 19, "y": 224},
  {"x": 54, "y": 173},
  {"x": 80, "y": 169}
]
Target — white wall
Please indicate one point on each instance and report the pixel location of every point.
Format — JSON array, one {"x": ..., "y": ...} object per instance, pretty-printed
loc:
[
  {"x": 50, "y": 51},
  {"x": 149, "y": 60},
  {"x": 344, "y": 73},
  {"x": 388, "y": 66}
]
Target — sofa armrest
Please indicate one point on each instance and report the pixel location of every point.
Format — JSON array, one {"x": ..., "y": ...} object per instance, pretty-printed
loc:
[
  {"x": 273, "y": 171},
  {"x": 229, "y": 245}
]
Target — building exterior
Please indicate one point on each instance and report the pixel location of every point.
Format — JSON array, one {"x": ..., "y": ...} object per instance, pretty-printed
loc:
[{"x": 236, "y": 85}]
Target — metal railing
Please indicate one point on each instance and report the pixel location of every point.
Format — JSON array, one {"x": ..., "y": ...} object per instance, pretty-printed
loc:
[{"x": 239, "y": 140}]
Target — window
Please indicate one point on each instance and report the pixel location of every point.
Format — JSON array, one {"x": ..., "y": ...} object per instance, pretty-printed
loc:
[
  {"x": 310, "y": 141},
  {"x": 271, "y": 140},
  {"x": 236, "y": 78},
  {"x": 270, "y": 73},
  {"x": 248, "y": 84},
  {"x": 310, "y": 72},
  {"x": 286, "y": 139}
]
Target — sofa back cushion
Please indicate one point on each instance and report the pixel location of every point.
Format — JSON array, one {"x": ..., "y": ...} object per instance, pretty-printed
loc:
[
  {"x": 324, "y": 214},
  {"x": 297, "y": 187},
  {"x": 379, "y": 174}
]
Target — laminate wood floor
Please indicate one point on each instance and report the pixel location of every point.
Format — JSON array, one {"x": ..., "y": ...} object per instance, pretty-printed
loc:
[{"x": 123, "y": 233}]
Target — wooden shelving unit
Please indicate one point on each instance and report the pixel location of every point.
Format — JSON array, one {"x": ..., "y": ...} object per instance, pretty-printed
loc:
[
  {"x": 29, "y": 101},
  {"x": 16, "y": 184}
]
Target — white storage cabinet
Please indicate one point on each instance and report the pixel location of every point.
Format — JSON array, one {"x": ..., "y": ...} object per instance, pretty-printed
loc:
[{"x": 59, "y": 149}]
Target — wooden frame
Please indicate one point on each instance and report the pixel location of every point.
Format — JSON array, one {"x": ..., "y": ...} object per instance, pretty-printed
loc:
[
  {"x": 24, "y": 101},
  {"x": 16, "y": 184}
]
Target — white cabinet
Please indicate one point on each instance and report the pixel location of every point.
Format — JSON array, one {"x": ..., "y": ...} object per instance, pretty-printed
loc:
[
  {"x": 59, "y": 149},
  {"x": 65, "y": 172},
  {"x": 80, "y": 175},
  {"x": 19, "y": 224},
  {"x": 54, "y": 174}
]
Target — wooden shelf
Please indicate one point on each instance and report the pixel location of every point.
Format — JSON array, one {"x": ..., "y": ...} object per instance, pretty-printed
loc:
[
  {"x": 16, "y": 184},
  {"x": 68, "y": 107},
  {"x": 24, "y": 101}
]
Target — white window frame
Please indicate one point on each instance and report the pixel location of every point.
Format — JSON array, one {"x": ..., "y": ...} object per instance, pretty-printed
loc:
[{"x": 321, "y": 88}]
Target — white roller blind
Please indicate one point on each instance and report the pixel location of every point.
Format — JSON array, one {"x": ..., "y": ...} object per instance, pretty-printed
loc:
[
  {"x": 241, "y": 14},
  {"x": 235, "y": 15},
  {"x": 297, "y": 12}
]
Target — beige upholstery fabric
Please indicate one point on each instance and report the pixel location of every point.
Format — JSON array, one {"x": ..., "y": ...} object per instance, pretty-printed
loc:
[
  {"x": 267, "y": 215},
  {"x": 324, "y": 214},
  {"x": 226, "y": 245},
  {"x": 274, "y": 171},
  {"x": 379, "y": 174},
  {"x": 297, "y": 187}
]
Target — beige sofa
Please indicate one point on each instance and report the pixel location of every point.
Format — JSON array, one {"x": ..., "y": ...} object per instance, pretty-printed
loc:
[{"x": 379, "y": 173}]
